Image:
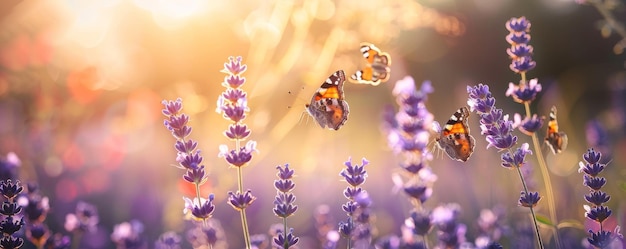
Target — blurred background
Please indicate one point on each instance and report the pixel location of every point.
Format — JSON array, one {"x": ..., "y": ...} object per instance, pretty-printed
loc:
[{"x": 81, "y": 85}]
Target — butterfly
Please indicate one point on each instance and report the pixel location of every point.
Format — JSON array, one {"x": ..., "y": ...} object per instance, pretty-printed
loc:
[
  {"x": 328, "y": 107},
  {"x": 454, "y": 138},
  {"x": 556, "y": 140},
  {"x": 377, "y": 69}
]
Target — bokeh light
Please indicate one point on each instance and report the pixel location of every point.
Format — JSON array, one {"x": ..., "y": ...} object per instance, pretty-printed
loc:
[{"x": 81, "y": 85}]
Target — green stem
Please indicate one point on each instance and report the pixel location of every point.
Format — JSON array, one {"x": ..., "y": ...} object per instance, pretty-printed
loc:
[
  {"x": 349, "y": 246},
  {"x": 76, "y": 239},
  {"x": 197, "y": 185},
  {"x": 244, "y": 220},
  {"x": 285, "y": 244},
  {"x": 532, "y": 211},
  {"x": 545, "y": 175}
]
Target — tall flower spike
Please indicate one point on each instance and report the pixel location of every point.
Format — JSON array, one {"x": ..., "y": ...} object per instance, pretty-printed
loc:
[
  {"x": 597, "y": 211},
  {"x": 520, "y": 52},
  {"x": 356, "y": 228},
  {"x": 232, "y": 104},
  {"x": 524, "y": 93},
  {"x": 284, "y": 206},
  {"x": 498, "y": 132},
  {"x": 11, "y": 221},
  {"x": 408, "y": 134}
]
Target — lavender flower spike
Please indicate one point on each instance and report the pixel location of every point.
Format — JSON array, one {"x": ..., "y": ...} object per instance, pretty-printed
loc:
[{"x": 597, "y": 211}]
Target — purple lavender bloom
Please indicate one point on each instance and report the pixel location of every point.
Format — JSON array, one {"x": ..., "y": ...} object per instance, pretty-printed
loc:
[
  {"x": 528, "y": 199},
  {"x": 413, "y": 121},
  {"x": 85, "y": 219},
  {"x": 185, "y": 147},
  {"x": 355, "y": 175},
  {"x": 37, "y": 234},
  {"x": 168, "y": 240},
  {"x": 191, "y": 160},
  {"x": 240, "y": 201},
  {"x": 284, "y": 200},
  {"x": 212, "y": 234},
  {"x": 420, "y": 221},
  {"x": 517, "y": 38},
  {"x": 520, "y": 24},
  {"x": 259, "y": 241},
  {"x": 196, "y": 175},
  {"x": 238, "y": 158},
  {"x": 418, "y": 192},
  {"x": 601, "y": 239},
  {"x": 597, "y": 197},
  {"x": 409, "y": 134},
  {"x": 592, "y": 156},
  {"x": 11, "y": 224},
  {"x": 598, "y": 212},
  {"x": 592, "y": 167},
  {"x": 35, "y": 206},
  {"x": 234, "y": 113},
  {"x": 528, "y": 125},
  {"x": 522, "y": 64},
  {"x": 283, "y": 205},
  {"x": 234, "y": 96},
  {"x": 188, "y": 157},
  {"x": 493, "y": 124},
  {"x": 356, "y": 228},
  {"x": 234, "y": 66},
  {"x": 518, "y": 157},
  {"x": 388, "y": 242},
  {"x": 346, "y": 228},
  {"x": 490, "y": 227},
  {"x": 594, "y": 183},
  {"x": 176, "y": 122},
  {"x": 451, "y": 233},
  {"x": 285, "y": 242},
  {"x": 9, "y": 189},
  {"x": 10, "y": 208},
  {"x": 58, "y": 241},
  {"x": 200, "y": 209},
  {"x": 524, "y": 93},
  {"x": 10, "y": 242},
  {"x": 284, "y": 185},
  {"x": 237, "y": 132},
  {"x": 128, "y": 235},
  {"x": 520, "y": 52}
]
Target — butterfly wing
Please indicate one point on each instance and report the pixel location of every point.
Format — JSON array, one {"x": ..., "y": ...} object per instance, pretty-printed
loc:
[
  {"x": 455, "y": 139},
  {"x": 555, "y": 139},
  {"x": 377, "y": 70},
  {"x": 328, "y": 107}
]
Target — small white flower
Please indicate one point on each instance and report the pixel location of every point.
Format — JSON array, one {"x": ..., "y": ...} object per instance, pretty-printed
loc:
[
  {"x": 223, "y": 150},
  {"x": 251, "y": 146}
]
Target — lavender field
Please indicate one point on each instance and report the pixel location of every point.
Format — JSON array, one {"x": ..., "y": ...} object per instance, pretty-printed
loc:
[{"x": 307, "y": 124}]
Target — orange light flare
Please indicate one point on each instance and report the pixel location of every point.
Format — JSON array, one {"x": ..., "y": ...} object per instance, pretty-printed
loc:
[
  {"x": 82, "y": 84},
  {"x": 174, "y": 14}
]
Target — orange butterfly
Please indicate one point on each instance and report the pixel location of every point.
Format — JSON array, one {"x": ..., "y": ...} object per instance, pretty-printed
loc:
[
  {"x": 378, "y": 68},
  {"x": 328, "y": 107},
  {"x": 454, "y": 138},
  {"x": 556, "y": 140}
]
